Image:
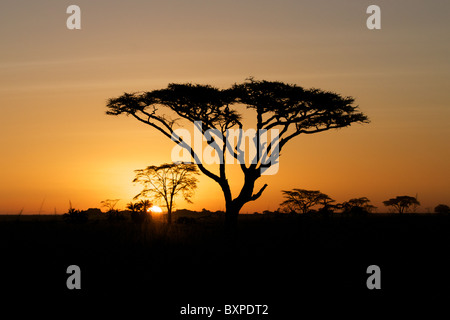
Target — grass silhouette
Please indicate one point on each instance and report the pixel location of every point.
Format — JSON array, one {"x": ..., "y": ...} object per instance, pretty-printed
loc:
[{"x": 270, "y": 258}]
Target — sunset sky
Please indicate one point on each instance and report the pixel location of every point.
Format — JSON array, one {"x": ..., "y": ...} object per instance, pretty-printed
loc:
[{"x": 58, "y": 145}]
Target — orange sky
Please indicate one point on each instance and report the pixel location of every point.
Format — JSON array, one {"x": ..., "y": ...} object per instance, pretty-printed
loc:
[{"x": 58, "y": 145}]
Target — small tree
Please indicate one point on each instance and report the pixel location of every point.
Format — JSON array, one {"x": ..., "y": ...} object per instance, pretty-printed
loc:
[
  {"x": 133, "y": 207},
  {"x": 112, "y": 212},
  {"x": 357, "y": 206},
  {"x": 301, "y": 200},
  {"x": 139, "y": 211},
  {"x": 167, "y": 181},
  {"x": 144, "y": 205},
  {"x": 75, "y": 215},
  {"x": 442, "y": 209},
  {"x": 401, "y": 203},
  {"x": 110, "y": 204},
  {"x": 327, "y": 206}
]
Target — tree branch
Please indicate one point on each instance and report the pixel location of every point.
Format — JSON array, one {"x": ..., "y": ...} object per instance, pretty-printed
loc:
[{"x": 257, "y": 195}]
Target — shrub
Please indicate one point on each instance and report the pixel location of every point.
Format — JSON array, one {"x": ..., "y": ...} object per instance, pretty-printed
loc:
[
  {"x": 442, "y": 209},
  {"x": 75, "y": 216},
  {"x": 186, "y": 220},
  {"x": 115, "y": 215},
  {"x": 140, "y": 216}
]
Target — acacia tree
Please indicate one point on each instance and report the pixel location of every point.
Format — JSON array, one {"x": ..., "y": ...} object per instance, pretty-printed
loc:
[
  {"x": 276, "y": 105},
  {"x": 113, "y": 214},
  {"x": 326, "y": 202},
  {"x": 401, "y": 203},
  {"x": 357, "y": 206},
  {"x": 301, "y": 200},
  {"x": 110, "y": 204},
  {"x": 167, "y": 181}
]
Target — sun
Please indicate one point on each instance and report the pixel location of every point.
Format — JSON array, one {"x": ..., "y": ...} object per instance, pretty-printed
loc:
[{"x": 155, "y": 209}]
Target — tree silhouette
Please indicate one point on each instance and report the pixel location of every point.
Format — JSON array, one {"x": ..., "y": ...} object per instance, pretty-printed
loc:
[
  {"x": 144, "y": 205},
  {"x": 133, "y": 207},
  {"x": 112, "y": 213},
  {"x": 110, "y": 204},
  {"x": 442, "y": 208},
  {"x": 289, "y": 108},
  {"x": 139, "y": 212},
  {"x": 401, "y": 203},
  {"x": 75, "y": 215},
  {"x": 357, "y": 206},
  {"x": 327, "y": 206},
  {"x": 167, "y": 181},
  {"x": 301, "y": 200}
]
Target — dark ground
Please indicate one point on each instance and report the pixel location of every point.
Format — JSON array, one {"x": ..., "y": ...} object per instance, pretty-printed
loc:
[{"x": 294, "y": 264}]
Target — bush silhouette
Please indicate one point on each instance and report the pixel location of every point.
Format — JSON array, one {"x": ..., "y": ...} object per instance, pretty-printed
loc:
[
  {"x": 357, "y": 206},
  {"x": 75, "y": 216},
  {"x": 186, "y": 220},
  {"x": 442, "y": 209},
  {"x": 115, "y": 215},
  {"x": 139, "y": 213}
]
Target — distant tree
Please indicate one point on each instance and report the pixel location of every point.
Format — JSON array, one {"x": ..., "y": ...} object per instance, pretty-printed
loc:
[
  {"x": 139, "y": 211},
  {"x": 75, "y": 215},
  {"x": 442, "y": 209},
  {"x": 112, "y": 213},
  {"x": 186, "y": 220},
  {"x": 93, "y": 211},
  {"x": 401, "y": 203},
  {"x": 144, "y": 205},
  {"x": 133, "y": 207},
  {"x": 166, "y": 182},
  {"x": 285, "y": 210},
  {"x": 357, "y": 206},
  {"x": 110, "y": 204},
  {"x": 302, "y": 200},
  {"x": 327, "y": 206},
  {"x": 289, "y": 108}
]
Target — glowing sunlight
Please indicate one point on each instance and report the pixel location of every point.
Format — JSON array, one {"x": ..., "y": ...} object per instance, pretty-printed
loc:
[{"x": 155, "y": 209}]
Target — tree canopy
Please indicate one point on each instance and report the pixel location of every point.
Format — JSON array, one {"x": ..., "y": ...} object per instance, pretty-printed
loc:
[
  {"x": 166, "y": 182},
  {"x": 357, "y": 206},
  {"x": 442, "y": 208},
  {"x": 401, "y": 203},
  {"x": 302, "y": 200}
]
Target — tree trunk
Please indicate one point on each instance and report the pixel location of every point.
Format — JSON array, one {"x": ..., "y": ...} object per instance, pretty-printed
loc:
[
  {"x": 169, "y": 216},
  {"x": 231, "y": 218},
  {"x": 169, "y": 211},
  {"x": 234, "y": 206},
  {"x": 232, "y": 214}
]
